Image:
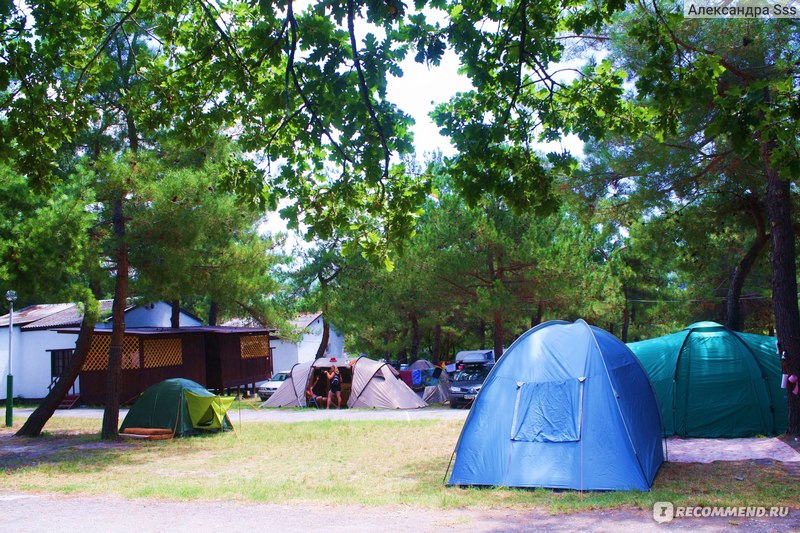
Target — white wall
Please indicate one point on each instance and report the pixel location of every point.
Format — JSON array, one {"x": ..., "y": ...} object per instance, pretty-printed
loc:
[
  {"x": 335, "y": 340},
  {"x": 157, "y": 316},
  {"x": 31, "y": 364},
  {"x": 285, "y": 354}
]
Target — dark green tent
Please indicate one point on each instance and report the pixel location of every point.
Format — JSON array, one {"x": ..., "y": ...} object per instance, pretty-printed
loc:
[
  {"x": 714, "y": 382},
  {"x": 180, "y": 405}
]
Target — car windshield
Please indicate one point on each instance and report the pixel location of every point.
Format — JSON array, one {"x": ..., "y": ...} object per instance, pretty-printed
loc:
[
  {"x": 280, "y": 377},
  {"x": 472, "y": 374}
]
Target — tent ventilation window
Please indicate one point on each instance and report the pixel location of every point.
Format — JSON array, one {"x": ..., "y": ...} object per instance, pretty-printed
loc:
[{"x": 548, "y": 412}]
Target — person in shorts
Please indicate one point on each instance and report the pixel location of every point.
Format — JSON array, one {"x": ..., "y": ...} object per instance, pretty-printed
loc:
[{"x": 334, "y": 386}]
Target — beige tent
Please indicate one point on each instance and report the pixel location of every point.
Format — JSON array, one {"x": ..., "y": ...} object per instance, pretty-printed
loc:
[
  {"x": 438, "y": 389},
  {"x": 378, "y": 384},
  {"x": 291, "y": 393},
  {"x": 365, "y": 383}
]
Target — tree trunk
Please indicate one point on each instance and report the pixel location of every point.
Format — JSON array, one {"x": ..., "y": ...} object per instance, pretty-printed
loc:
[
  {"x": 626, "y": 322},
  {"x": 436, "y": 353},
  {"x": 175, "y": 317},
  {"x": 111, "y": 414},
  {"x": 498, "y": 335},
  {"x": 323, "y": 343},
  {"x": 213, "y": 311},
  {"x": 733, "y": 308},
  {"x": 784, "y": 276},
  {"x": 537, "y": 319},
  {"x": 35, "y": 423},
  {"x": 415, "y": 337}
]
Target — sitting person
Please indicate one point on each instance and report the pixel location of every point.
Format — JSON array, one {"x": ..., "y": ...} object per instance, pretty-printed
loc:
[{"x": 312, "y": 396}]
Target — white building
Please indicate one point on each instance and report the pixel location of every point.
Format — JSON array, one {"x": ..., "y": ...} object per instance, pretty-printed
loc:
[
  {"x": 40, "y": 354},
  {"x": 285, "y": 354}
]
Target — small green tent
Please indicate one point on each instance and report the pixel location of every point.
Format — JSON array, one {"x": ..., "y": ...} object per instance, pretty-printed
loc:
[
  {"x": 714, "y": 382},
  {"x": 180, "y": 405}
]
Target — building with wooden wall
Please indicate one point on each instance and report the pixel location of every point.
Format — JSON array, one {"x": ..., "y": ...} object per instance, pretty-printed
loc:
[{"x": 216, "y": 357}]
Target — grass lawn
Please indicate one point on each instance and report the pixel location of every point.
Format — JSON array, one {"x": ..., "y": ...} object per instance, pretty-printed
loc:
[{"x": 347, "y": 462}]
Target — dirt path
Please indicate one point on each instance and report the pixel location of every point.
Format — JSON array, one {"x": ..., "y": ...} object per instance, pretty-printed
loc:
[{"x": 27, "y": 512}]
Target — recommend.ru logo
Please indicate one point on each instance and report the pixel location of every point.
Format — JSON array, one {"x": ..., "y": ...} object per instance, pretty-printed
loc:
[
  {"x": 663, "y": 512},
  {"x": 666, "y": 512}
]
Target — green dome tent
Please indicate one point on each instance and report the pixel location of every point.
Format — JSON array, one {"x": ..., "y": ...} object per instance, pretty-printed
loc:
[
  {"x": 714, "y": 382},
  {"x": 180, "y": 405}
]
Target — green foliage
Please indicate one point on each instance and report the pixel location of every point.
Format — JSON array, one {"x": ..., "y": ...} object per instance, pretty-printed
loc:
[
  {"x": 307, "y": 92},
  {"x": 45, "y": 238},
  {"x": 464, "y": 267},
  {"x": 697, "y": 178}
]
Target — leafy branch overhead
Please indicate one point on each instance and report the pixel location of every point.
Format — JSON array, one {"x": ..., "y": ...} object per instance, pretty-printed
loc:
[{"x": 307, "y": 92}]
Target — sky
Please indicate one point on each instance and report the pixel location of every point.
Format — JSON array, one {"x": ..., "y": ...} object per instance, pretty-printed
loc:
[{"x": 420, "y": 90}]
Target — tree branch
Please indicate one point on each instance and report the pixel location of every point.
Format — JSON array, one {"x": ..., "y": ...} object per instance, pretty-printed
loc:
[
  {"x": 362, "y": 84},
  {"x": 291, "y": 73},
  {"x": 105, "y": 43}
]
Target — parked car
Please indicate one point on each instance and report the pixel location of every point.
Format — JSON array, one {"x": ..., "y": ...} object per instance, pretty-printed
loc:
[
  {"x": 475, "y": 356},
  {"x": 466, "y": 383},
  {"x": 268, "y": 388}
]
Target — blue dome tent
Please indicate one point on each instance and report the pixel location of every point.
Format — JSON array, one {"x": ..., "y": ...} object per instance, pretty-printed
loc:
[{"x": 567, "y": 406}]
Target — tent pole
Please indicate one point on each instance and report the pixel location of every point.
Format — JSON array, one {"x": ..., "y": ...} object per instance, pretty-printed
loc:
[
  {"x": 764, "y": 380},
  {"x": 444, "y": 479},
  {"x": 178, "y": 415}
]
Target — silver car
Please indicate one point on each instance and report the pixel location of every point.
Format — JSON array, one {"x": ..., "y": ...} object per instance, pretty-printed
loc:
[{"x": 268, "y": 388}]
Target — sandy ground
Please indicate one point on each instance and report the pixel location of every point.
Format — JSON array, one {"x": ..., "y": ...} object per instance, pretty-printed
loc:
[
  {"x": 44, "y": 512},
  {"x": 680, "y": 450}
]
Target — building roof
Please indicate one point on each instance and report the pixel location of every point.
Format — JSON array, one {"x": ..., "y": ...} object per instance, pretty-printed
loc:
[
  {"x": 248, "y": 322},
  {"x": 300, "y": 322},
  {"x": 48, "y": 316},
  {"x": 223, "y": 330},
  {"x": 33, "y": 313},
  {"x": 303, "y": 320},
  {"x": 43, "y": 316},
  {"x": 71, "y": 316}
]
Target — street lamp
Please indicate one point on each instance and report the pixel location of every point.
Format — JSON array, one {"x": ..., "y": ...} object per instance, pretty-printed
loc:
[{"x": 10, "y": 296}]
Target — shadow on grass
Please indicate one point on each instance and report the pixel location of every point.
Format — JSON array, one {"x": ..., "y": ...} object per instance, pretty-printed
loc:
[{"x": 69, "y": 451}]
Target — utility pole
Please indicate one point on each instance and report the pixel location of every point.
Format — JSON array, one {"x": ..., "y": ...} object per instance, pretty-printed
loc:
[{"x": 10, "y": 296}]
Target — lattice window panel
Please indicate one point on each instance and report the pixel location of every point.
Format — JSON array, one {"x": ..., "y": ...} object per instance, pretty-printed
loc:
[
  {"x": 162, "y": 352},
  {"x": 255, "y": 346},
  {"x": 98, "y": 353},
  {"x": 131, "y": 358}
]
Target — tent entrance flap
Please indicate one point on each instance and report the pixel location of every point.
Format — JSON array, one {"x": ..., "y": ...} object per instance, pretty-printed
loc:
[
  {"x": 548, "y": 412},
  {"x": 206, "y": 412}
]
